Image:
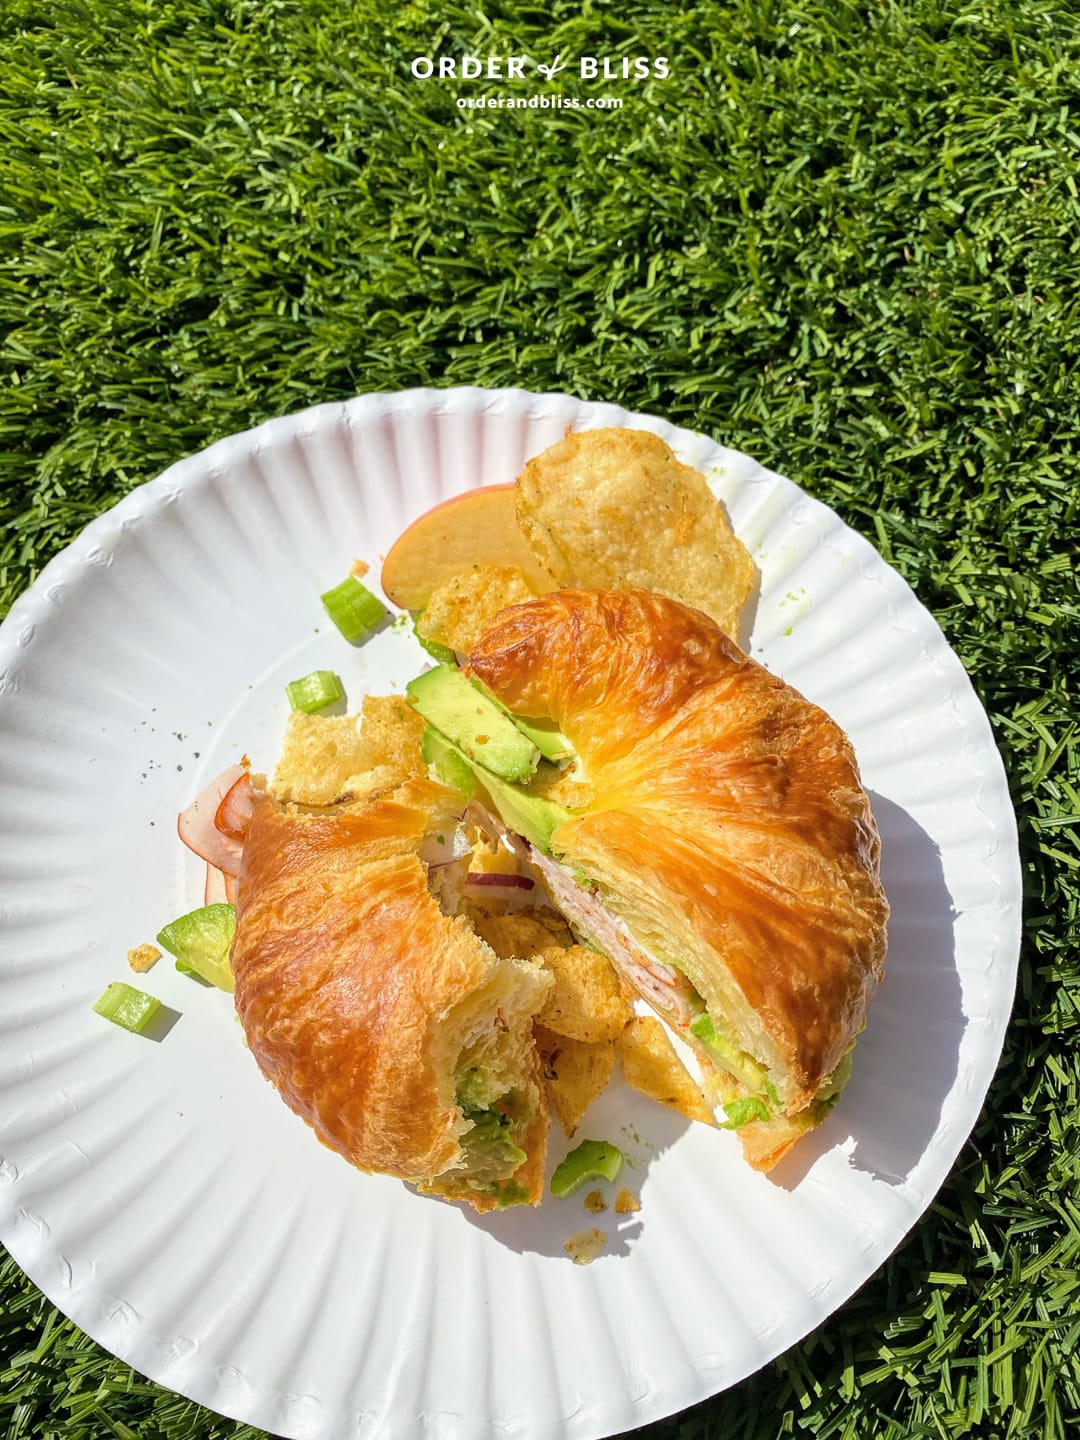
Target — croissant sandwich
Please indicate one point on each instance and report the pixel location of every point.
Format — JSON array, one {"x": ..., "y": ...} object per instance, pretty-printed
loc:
[
  {"x": 712, "y": 838},
  {"x": 694, "y": 818},
  {"x": 388, "y": 1025}
]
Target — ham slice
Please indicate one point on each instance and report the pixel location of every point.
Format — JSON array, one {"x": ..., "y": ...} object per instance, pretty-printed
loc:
[
  {"x": 197, "y": 826},
  {"x": 219, "y": 889}
]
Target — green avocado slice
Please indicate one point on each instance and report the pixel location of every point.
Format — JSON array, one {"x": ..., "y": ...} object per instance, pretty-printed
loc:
[
  {"x": 461, "y": 712},
  {"x": 544, "y": 734},
  {"x": 449, "y": 764},
  {"x": 529, "y": 815},
  {"x": 591, "y": 1160},
  {"x": 742, "y": 1066}
]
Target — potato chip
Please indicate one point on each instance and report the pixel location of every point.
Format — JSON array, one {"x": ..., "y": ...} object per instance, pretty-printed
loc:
[
  {"x": 615, "y": 508},
  {"x": 521, "y": 935},
  {"x": 460, "y": 610},
  {"x": 326, "y": 757},
  {"x": 650, "y": 1065},
  {"x": 491, "y": 858},
  {"x": 575, "y": 1073},
  {"x": 564, "y": 787},
  {"x": 392, "y": 730},
  {"x": 588, "y": 1001}
]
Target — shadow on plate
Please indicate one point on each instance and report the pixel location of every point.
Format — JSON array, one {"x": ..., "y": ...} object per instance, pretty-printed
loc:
[
  {"x": 749, "y": 612},
  {"x": 164, "y": 1020},
  {"x": 617, "y": 1116},
  {"x": 907, "y": 1060}
]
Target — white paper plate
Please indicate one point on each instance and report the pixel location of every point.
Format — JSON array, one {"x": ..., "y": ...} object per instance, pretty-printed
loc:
[{"x": 160, "y": 1193}]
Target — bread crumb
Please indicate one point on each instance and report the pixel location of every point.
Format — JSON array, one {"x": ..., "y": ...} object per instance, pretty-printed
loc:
[
  {"x": 595, "y": 1202},
  {"x": 359, "y": 568},
  {"x": 143, "y": 957},
  {"x": 585, "y": 1246},
  {"x": 625, "y": 1204}
]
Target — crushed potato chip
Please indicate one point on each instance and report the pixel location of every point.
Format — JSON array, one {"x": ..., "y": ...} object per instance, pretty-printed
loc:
[
  {"x": 561, "y": 786},
  {"x": 625, "y": 1204},
  {"x": 588, "y": 1001},
  {"x": 325, "y": 757},
  {"x": 143, "y": 957},
  {"x": 492, "y": 859},
  {"x": 651, "y": 1066},
  {"x": 595, "y": 1202},
  {"x": 614, "y": 507},
  {"x": 522, "y": 934},
  {"x": 359, "y": 568},
  {"x": 462, "y": 608},
  {"x": 585, "y": 1246},
  {"x": 575, "y": 1073}
]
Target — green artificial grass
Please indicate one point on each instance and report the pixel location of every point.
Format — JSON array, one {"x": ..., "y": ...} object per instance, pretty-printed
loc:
[{"x": 843, "y": 238}]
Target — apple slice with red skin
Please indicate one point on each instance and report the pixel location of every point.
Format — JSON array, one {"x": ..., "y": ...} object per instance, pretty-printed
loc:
[
  {"x": 478, "y": 527},
  {"x": 197, "y": 829}
]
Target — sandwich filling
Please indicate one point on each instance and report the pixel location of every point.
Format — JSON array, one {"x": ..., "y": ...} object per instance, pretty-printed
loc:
[
  {"x": 741, "y": 1083},
  {"x": 495, "y": 1092},
  {"x": 524, "y": 792}
]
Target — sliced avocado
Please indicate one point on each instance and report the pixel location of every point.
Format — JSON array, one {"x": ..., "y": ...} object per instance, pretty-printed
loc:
[
  {"x": 525, "y": 814},
  {"x": 591, "y": 1160},
  {"x": 490, "y": 1140},
  {"x": 544, "y": 734},
  {"x": 743, "y": 1112},
  {"x": 829, "y": 1092},
  {"x": 509, "y": 1192},
  {"x": 529, "y": 815},
  {"x": 449, "y": 764},
  {"x": 201, "y": 941},
  {"x": 434, "y": 648},
  {"x": 742, "y": 1066},
  {"x": 457, "y": 709}
]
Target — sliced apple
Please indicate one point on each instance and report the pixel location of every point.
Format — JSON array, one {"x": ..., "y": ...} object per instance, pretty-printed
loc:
[{"x": 477, "y": 528}]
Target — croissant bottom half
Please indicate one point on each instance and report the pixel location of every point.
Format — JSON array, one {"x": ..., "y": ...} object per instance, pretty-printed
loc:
[{"x": 389, "y": 1026}]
